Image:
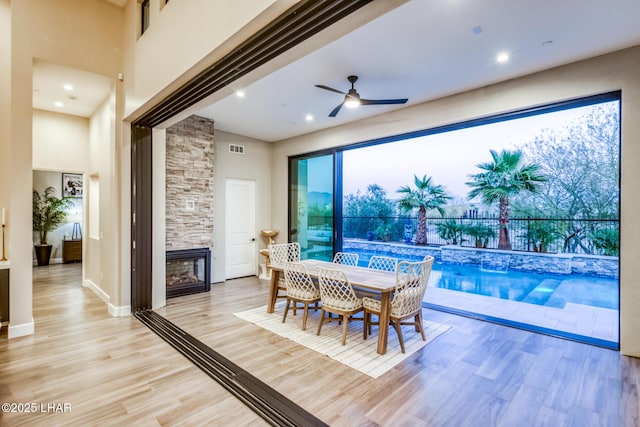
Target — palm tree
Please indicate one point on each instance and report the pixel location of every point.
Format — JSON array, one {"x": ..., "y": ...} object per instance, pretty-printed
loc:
[
  {"x": 425, "y": 196},
  {"x": 503, "y": 178}
]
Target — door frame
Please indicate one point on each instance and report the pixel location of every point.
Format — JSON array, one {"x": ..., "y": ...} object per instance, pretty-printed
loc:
[{"x": 254, "y": 260}]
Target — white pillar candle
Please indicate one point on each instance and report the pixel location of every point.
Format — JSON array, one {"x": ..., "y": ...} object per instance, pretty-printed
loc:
[{"x": 2, "y": 216}]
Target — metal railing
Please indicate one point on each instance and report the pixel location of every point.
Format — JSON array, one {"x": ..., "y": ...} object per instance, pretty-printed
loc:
[{"x": 553, "y": 235}]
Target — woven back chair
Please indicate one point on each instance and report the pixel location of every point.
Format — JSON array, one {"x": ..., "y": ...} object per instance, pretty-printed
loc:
[
  {"x": 301, "y": 289},
  {"x": 346, "y": 258},
  {"x": 338, "y": 297},
  {"x": 385, "y": 263},
  {"x": 411, "y": 283},
  {"x": 279, "y": 254}
]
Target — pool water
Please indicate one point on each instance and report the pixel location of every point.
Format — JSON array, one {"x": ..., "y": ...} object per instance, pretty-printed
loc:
[{"x": 551, "y": 290}]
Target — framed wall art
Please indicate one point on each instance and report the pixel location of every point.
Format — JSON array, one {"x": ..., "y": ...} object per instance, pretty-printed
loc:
[{"x": 72, "y": 185}]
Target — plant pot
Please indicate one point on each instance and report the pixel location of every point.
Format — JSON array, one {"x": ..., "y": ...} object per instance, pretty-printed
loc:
[{"x": 43, "y": 253}]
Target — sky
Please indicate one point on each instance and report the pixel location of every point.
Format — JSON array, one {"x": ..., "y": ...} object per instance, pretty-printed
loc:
[{"x": 447, "y": 157}]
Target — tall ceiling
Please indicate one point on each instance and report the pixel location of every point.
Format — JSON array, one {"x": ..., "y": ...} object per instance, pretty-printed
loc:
[
  {"x": 68, "y": 90},
  {"x": 423, "y": 50}
]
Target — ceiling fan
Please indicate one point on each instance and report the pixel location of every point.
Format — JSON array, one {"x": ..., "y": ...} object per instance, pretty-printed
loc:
[{"x": 352, "y": 98}]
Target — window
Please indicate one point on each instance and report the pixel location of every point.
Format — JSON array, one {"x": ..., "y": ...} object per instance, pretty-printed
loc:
[
  {"x": 521, "y": 206},
  {"x": 311, "y": 214},
  {"x": 144, "y": 16}
]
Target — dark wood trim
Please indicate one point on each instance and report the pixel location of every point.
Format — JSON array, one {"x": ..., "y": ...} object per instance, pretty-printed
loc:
[{"x": 141, "y": 218}]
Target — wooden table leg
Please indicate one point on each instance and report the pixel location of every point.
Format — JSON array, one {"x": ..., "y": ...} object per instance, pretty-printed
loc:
[
  {"x": 273, "y": 290},
  {"x": 383, "y": 327}
]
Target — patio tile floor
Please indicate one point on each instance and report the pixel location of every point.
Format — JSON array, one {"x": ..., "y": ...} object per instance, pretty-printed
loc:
[{"x": 579, "y": 319}]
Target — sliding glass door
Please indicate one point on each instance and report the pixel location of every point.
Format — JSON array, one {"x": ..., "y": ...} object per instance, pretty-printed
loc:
[
  {"x": 311, "y": 205},
  {"x": 549, "y": 247}
]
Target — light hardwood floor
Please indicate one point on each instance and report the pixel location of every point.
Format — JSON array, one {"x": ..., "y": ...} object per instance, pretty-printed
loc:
[{"x": 114, "y": 371}]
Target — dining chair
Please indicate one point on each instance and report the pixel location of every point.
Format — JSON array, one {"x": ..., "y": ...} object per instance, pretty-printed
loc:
[
  {"x": 384, "y": 263},
  {"x": 337, "y": 297},
  {"x": 279, "y": 254},
  {"x": 346, "y": 258},
  {"x": 411, "y": 284},
  {"x": 300, "y": 289}
]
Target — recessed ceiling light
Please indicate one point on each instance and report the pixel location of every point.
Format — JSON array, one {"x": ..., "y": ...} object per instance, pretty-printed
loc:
[
  {"x": 308, "y": 118},
  {"x": 502, "y": 57},
  {"x": 240, "y": 94},
  {"x": 58, "y": 104},
  {"x": 68, "y": 87}
]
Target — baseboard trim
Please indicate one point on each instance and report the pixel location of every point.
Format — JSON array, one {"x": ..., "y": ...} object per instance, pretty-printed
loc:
[
  {"x": 97, "y": 290},
  {"x": 121, "y": 311},
  {"x": 114, "y": 311},
  {"x": 21, "y": 330}
]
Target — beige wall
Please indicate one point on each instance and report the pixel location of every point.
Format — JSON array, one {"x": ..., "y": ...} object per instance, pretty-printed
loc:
[
  {"x": 255, "y": 165},
  {"x": 603, "y": 74},
  {"x": 192, "y": 31},
  {"x": 101, "y": 244},
  {"x": 86, "y": 35},
  {"x": 60, "y": 142},
  {"x": 159, "y": 230}
]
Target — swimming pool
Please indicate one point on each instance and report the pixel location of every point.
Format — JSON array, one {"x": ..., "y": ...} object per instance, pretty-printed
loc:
[{"x": 551, "y": 290}]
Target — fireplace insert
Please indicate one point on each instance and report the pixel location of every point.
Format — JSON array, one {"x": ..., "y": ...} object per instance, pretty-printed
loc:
[{"x": 188, "y": 271}]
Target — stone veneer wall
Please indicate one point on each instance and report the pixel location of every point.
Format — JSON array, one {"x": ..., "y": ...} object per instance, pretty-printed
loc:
[
  {"x": 493, "y": 259},
  {"x": 189, "y": 184}
]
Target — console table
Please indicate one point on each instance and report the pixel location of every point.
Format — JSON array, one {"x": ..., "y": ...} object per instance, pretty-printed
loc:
[{"x": 72, "y": 251}]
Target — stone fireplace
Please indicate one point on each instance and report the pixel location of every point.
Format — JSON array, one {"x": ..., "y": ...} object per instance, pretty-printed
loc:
[
  {"x": 188, "y": 271},
  {"x": 189, "y": 205}
]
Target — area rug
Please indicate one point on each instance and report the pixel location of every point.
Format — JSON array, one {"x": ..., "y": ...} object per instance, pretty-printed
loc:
[{"x": 356, "y": 353}]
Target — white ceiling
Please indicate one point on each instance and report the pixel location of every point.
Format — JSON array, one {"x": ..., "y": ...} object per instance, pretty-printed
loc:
[
  {"x": 423, "y": 50},
  {"x": 49, "y": 80}
]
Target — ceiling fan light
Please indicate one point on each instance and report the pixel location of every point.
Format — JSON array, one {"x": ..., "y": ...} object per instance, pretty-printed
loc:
[{"x": 351, "y": 102}]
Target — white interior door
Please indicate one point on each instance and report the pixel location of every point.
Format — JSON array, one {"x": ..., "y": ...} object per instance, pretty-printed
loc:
[{"x": 240, "y": 219}]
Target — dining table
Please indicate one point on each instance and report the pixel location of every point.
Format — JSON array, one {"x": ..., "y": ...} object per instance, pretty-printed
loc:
[{"x": 370, "y": 280}]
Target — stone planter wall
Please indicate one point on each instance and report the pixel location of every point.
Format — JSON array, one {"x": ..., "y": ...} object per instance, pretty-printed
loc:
[{"x": 492, "y": 259}]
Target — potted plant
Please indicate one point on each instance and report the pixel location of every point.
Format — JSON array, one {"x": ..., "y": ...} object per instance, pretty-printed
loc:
[{"x": 49, "y": 212}]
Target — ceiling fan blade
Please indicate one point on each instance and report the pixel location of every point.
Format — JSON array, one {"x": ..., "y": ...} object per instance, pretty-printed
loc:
[
  {"x": 383, "y": 101},
  {"x": 331, "y": 89},
  {"x": 334, "y": 112}
]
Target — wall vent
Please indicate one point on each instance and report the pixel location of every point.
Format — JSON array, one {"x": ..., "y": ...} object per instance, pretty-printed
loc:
[{"x": 237, "y": 149}]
